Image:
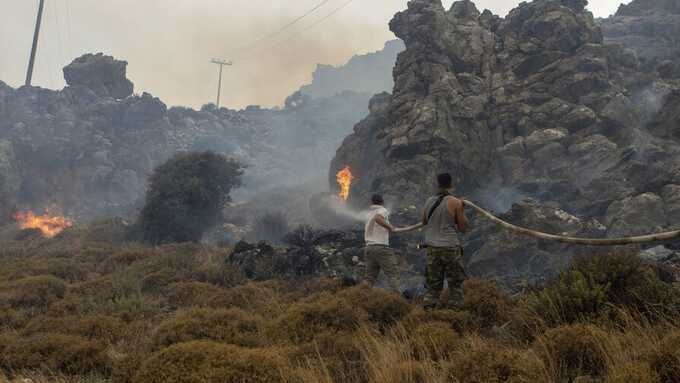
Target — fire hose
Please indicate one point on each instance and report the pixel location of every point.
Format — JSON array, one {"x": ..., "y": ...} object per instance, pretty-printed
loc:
[{"x": 665, "y": 236}]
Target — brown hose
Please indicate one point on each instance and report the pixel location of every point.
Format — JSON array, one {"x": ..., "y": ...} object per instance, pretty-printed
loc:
[{"x": 669, "y": 235}]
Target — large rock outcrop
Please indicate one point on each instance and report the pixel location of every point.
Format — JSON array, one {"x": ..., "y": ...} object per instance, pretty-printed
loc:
[
  {"x": 103, "y": 75},
  {"x": 537, "y": 105},
  {"x": 651, "y": 28},
  {"x": 370, "y": 73}
]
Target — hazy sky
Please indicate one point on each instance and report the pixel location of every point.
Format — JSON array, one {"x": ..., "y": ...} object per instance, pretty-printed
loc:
[{"x": 169, "y": 43}]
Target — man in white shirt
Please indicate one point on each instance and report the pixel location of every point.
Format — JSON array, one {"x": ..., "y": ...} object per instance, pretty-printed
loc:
[{"x": 378, "y": 254}]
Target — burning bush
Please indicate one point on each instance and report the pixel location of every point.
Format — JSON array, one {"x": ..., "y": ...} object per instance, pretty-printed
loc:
[
  {"x": 186, "y": 195},
  {"x": 210, "y": 362}
]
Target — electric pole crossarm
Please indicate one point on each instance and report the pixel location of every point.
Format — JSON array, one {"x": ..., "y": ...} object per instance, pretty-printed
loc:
[
  {"x": 221, "y": 63},
  {"x": 34, "y": 48}
]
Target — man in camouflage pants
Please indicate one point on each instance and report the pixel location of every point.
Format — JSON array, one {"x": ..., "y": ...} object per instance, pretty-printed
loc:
[
  {"x": 443, "y": 219},
  {"x": 378, "y": 254}
]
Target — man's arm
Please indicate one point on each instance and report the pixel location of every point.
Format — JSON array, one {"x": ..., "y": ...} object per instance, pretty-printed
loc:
[
  {"x": 380, "y": 220},
  {"x": 456, "y": 209}
]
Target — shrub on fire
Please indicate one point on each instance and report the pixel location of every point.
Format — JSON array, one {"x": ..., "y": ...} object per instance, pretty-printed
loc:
[{"x": 186, "y": 195}]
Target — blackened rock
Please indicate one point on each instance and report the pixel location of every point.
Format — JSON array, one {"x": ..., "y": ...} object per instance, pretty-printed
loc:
[{"x": 104, "y": 75}]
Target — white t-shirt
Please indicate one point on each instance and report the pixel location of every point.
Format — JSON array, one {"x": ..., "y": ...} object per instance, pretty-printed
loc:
[{"x": 375, "y": 234}]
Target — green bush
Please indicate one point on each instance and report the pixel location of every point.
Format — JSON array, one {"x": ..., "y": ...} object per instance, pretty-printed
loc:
[
  {"x": 233, "y": 326},
  {"x": 55, "y": 353},
  {"x": 210, "y": 362},
  {"x": 186, "y": 195},
  {"x": 593, "y": 286},
  {"x": 572, "y": 351}
]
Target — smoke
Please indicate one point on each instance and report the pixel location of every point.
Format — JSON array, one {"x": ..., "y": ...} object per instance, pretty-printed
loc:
[
  {"x": 340, "y": 208},
  {"x": 648, "y": 102},
  {"x": 169, "y": 44},
  {"x": 499, "y": 198}
]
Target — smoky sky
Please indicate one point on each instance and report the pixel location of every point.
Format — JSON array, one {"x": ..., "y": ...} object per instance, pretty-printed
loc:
[{"x": 169, "y": 43}]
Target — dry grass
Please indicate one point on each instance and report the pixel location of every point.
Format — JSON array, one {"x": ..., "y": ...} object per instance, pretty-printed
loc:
[{"x": 79, "y": 311}]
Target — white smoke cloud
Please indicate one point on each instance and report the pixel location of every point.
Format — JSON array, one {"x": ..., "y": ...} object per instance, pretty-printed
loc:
[{"x": 169, "y": 43}]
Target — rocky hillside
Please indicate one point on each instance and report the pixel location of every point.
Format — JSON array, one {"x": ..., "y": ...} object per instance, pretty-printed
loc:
[
  {"x": 537, "y": 109},
  {"x": 370, "y": 73},
  {"x": 86, "y": 150}
]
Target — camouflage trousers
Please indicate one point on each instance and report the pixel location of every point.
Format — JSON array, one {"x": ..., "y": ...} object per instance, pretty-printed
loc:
[
  {"x": 382, "y": 258},
  {"x": 444, "y": 263}
]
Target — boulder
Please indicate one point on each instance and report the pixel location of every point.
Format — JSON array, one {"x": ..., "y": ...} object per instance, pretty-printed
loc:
[
  {"x": 638, "y": 215},
  {"x": 103, "y": 75}
]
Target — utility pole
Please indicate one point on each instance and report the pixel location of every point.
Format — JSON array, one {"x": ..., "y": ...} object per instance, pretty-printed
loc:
[
  {"x": 31, "y": 62},
  {"x": 221, "y": 63}
]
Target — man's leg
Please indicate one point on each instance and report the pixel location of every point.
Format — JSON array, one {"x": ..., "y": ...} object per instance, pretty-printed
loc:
[
  {"x": 455, "y": 276},
  {"x": 372, "y": 265},
  {"x": 390, "y": 266},
  {"x": 434, "y": 278}
]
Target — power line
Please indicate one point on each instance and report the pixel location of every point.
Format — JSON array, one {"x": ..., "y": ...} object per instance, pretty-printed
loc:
[
  {"x": 301, "y": 32},
  {"x": 282, "y": 29},
  {"x": 60, "y": 52},
  {"x": 68, "y": 30}
]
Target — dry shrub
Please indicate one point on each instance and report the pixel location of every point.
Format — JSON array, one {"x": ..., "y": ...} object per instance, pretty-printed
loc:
[
  {"x": 185, "y": 294},
  {"x": 481, "y": 361},
  {"x": 634, "y": 373},
  {"x": 666, "y": 360},
  {"x": 383, "y": 308},
  {"x": 461, "y": 321},
  {"x": 123, "y": 259},
  {"x": 573, "y": 350},
  {"x": 233, "y": 326},
  {"x": 391, "y": 358},
  {"x": 302, "y": 321},
  {"x": 92, "y": 327},
  {"x": 210, "y": 362},
  {"x": 55, "y": 352},
  {"x": 261, "y": 298},
  {"x": 434, "y": 340},
  {"x": 156, "y": 282},
  {"x": 33, "y": 292},
  {"x": 296, "y": 289},
  {"x": 335, "y": 354},
  {"x": 485, "y": 300}
]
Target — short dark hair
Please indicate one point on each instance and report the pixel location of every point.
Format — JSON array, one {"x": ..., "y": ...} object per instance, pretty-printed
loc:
[
  {"x": 445, "y": 181},
  {"x": 377, "y": 199}
]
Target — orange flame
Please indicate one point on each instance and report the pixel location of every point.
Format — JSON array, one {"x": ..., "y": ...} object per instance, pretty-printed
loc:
[
  {"x": 49, "y": 225},
  {"x": 344, "y": 178}
]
